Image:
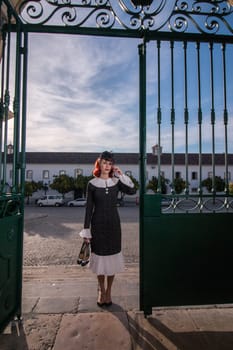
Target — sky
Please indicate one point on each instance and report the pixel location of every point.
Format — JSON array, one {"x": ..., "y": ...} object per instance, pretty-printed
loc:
[{"x": 83, "y": 95}]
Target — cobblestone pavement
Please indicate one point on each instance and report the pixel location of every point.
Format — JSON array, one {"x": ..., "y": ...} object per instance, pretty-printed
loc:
[{"x": 51, "y": 235}]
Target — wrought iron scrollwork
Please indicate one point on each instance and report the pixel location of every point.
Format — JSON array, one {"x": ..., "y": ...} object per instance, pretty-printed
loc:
[
  {"x": 196, "y": 204},
  {"x": 209, "y": 17}
]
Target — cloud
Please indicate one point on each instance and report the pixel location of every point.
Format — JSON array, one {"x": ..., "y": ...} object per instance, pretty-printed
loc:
[{"x": 82, "y": 94}]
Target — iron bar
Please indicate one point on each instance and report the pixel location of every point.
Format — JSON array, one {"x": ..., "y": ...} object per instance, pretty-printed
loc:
[
  {"x": 142, "y": 160},
  {"x": 7, "y": 99},
  {"x": 186, "y": 116},
  {"x": 199, "y": 117},
  {"x": 16, "y": 163},
  {"x": 123, "y": 33},
  {"x": 2, "y": 105},
  {"x": 225, "y": 118},
  {"x": 212, "y": 116},
  {"x": 24, "y": 111},
  {"x": 172, "y": 117},
  {"x": 159, "y": 117}
]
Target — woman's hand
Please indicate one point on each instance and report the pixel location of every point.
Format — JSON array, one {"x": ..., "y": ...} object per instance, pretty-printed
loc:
[
  {"x": 117, "y": 171},
  {"x": 87, "y": 240}
]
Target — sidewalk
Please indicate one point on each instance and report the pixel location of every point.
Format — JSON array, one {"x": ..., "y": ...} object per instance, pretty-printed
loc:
[{"x": 60, "y": 313}]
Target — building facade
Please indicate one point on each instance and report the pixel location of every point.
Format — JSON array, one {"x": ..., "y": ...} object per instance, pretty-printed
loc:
[{"x": 44, "y": 166}]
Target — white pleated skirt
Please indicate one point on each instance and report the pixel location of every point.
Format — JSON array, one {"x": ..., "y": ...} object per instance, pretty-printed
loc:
[{"x": 107, "y": 265}]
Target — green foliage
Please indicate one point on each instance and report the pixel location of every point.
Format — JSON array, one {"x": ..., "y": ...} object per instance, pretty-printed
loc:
[
  {"x": 80, "y": 184},
  {"x": 179, "y": 185},
  {"x": 219, "y": 184},
  {"x": 153, "y": 184},
  {"x": 135, "y": 182},
  {"x": 29, "y": 188},
  {"x": 231, "y": 187},
  {"x": 63, "y": 184}
]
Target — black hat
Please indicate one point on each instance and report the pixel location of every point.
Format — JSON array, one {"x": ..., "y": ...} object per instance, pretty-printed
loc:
[{"x": 107, "y": 156}]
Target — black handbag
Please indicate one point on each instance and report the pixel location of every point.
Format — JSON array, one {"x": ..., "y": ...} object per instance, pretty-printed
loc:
[{"x": 84, "y": 254}]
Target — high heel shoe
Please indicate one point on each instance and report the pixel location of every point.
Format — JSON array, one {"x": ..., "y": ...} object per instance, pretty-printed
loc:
[
  {"x": 84, "y": 255},
  {"x": 101, "y": 299},
  {"x": 81, "y": 254}
]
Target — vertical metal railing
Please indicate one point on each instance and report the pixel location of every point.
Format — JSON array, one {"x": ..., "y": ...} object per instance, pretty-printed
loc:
[
  {"x": 172, "y": 118},
  {"x": 3, "y": 34},
  {"x": 6, "y": 101},
  {"x": 186, "y": 117},
  {"x": 199, "y": 118},
  {"x": 225, "y": 119},
  {"x": 16, "y": 161},
  {"x": 210, "y": 78},
  {"x": 159, "y": 118},
  {"x": 142, "y": 145},
  {"x": 212, "y": 115}
]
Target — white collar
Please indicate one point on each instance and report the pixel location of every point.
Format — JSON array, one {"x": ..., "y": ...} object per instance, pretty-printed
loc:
[{"x": 103, "y": 183}]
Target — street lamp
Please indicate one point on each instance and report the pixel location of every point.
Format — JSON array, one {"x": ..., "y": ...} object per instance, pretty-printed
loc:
[{"x": 142, "y": 2}]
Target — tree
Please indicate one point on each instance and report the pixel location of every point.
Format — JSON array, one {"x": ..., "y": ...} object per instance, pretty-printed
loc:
[
  {"x": 63, "y": 184},
  {"x": 231, "y": 187},
  {"x": 80, "y": 185},
  {"x": 153, "y": 184},
  {"x": 135, "y": 181},
  {"x": 219, "y": 184},
  {"x": 179, "y": 185},
  {"x": 29, "y": 188}
]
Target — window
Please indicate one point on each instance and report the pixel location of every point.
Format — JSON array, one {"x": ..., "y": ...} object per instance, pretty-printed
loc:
[
  {"x": 194, "y": 190},
  {"x": 128, "y": 173},
  {"x": 11, "y": 173},
  {"x": 194, "y": 175},
  {"x": 210, "y": 174},
  {"x": 29, "y": 174},
  {"x": 45, "y": 174},
  {"x": 162, "y": 173},
  {"x": 78, "y": 172},
  {"x": 62, "y": 172},
  {"x": 177, "y": 175}
]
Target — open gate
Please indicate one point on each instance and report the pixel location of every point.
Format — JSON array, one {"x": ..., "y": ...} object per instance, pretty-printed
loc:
[{"x": 186, "y": 248}]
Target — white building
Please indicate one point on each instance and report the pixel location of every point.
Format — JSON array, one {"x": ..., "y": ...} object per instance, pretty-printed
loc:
[{"x": 43, "y": 166}]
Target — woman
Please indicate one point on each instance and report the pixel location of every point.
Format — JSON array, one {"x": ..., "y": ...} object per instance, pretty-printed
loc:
[{"x": 102, "y": 223}]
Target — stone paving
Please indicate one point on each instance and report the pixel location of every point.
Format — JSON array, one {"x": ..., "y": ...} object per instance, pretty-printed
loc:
[
  {"x": 60, "y": 313},
  {"x": 59, "y": 301}
]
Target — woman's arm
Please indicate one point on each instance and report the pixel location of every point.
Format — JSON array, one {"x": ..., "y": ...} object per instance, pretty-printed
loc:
[{"x": 86, "y": 232}]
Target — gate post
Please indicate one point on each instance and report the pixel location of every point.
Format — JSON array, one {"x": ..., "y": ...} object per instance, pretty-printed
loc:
[{"x": 142, "y": 156}]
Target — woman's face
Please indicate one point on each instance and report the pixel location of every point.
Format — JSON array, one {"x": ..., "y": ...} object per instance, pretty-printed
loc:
[{"x": 105, "y": 166}]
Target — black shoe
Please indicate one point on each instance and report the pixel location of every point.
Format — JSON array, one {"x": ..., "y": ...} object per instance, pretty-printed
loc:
[{"x": 108, "y": 304}]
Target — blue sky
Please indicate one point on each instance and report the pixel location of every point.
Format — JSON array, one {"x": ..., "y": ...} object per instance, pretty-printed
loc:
[{"x": 83, "y": 95}]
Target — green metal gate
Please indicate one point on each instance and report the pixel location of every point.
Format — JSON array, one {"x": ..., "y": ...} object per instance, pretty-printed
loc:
[
  {"x": 186, "y": 248},
  {"x": 12, "y": 106}
]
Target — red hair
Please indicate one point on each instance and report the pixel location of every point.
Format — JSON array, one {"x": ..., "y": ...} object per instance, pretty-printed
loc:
[{"x": 97, "y": 171}]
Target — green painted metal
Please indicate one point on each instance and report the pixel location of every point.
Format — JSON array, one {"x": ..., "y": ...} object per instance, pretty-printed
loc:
[
  {"x": 178, "y": 20},
  {"x": 12, "y": 194},
  {"x": 186, "y": 247},
  {"x": 184, "y": 258},
  {"x": 187, "y": 258}
]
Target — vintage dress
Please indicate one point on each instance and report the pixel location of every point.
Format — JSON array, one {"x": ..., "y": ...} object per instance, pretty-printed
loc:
[{"x": 102, "y": 223}]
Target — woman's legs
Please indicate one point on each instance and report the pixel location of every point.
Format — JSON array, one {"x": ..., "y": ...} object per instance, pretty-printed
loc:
[
  {"x": 109, "y": 289},
  {"x": 101, "y": 290}
]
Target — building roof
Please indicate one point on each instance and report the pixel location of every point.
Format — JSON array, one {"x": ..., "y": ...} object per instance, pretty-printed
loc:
[{"x": 120, "y": 158}]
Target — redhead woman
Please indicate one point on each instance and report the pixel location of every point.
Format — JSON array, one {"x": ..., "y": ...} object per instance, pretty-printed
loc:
[{"x": 102, "y": 223}]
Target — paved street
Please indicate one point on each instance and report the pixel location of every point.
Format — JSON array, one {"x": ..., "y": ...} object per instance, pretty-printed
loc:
[{"x": 52, "y": 234}]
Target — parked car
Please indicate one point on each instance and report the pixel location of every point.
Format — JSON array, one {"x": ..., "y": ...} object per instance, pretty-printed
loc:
[
  {"x": 51, "y": 200},
  {"x": 78, "y": 202}
]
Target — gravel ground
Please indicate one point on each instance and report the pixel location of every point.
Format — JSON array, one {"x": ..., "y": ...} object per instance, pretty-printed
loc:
[{"x": 51, "y": 235}]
